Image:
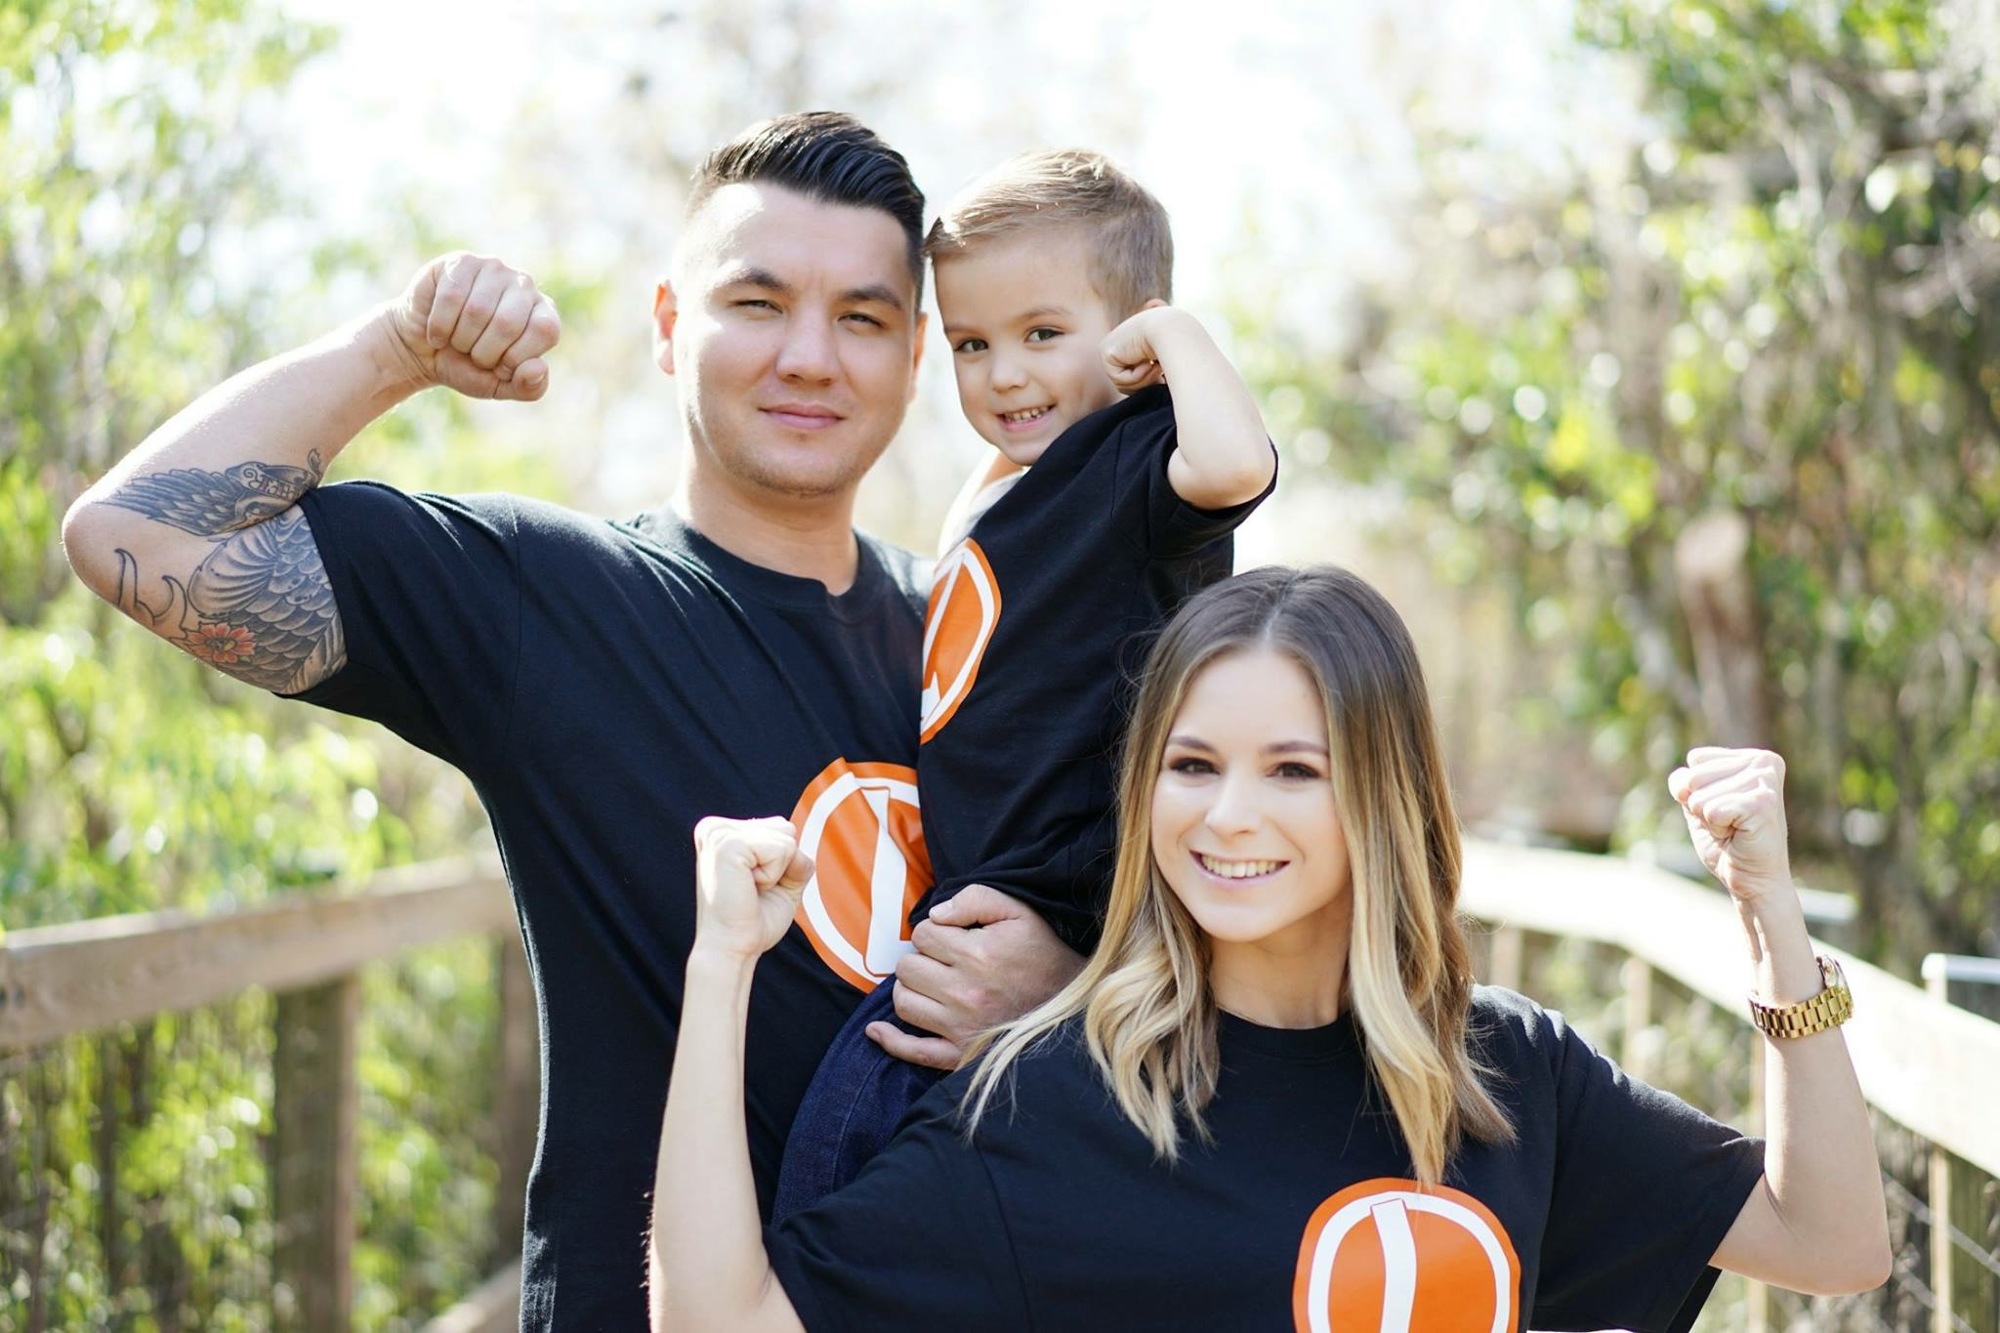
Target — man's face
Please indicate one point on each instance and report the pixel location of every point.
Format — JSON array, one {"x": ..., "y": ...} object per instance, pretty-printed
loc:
[
  {"x": 1026, "y": 330},
  {"x": 793, "y": 330}
]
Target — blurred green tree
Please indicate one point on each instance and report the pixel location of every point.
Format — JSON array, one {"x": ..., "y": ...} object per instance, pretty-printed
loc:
[
  {"x": 1724, "y": 417},
  {"x": 146, "y": 249}
]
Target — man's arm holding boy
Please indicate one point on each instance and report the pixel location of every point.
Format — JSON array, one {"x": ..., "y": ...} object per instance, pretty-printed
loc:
[{"x": 1222, "y": 456}]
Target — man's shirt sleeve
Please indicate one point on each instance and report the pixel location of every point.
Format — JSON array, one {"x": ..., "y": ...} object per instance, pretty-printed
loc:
[{"x": 428, "y": 589}]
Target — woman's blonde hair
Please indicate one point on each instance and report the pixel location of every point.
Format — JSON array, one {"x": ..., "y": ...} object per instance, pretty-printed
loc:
[{"x": 1148, "y": 1018}]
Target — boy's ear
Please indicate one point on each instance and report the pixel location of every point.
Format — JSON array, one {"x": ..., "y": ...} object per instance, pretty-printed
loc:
[
  {"x": 1155, "y": 304},
  {"x": 665, "y": 310},
  {"x": 917, "y": 353}
]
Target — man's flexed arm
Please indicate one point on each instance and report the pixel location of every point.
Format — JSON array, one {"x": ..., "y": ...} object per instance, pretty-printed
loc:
[{"x": 197, "y": 534}]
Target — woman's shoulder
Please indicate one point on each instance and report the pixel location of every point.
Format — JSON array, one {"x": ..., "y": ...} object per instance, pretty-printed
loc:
[
  {"x": 1053, "y": 1076},
  {"x": 1507, "y": 1028}
]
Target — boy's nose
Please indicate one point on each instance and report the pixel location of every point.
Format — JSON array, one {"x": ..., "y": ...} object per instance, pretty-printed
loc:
[{"x": 1007, "y": 373}]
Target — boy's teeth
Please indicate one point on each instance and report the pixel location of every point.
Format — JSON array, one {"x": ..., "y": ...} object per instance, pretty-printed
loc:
[
  {"x": 1028, "y": 414},
  {"x": 1237, "y": 869}
]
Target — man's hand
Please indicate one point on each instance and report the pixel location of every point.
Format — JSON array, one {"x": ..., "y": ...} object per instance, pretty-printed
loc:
[
  {"x": 749, "y": 877},
  {"x": 981, "y": 959},
  {"x": 477, "y": 325},
  {"x": 1734, "y": 801}
]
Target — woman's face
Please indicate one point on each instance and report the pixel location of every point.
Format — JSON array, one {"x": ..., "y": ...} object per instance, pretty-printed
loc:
[{"x": 1245, "y": 829}]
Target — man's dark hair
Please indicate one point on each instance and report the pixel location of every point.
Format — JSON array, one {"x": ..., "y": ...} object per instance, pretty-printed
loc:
[{"x": 828, "y": 156}]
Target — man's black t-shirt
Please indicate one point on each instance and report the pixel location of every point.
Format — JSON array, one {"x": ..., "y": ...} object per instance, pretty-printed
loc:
[
  {"x": 605, "y": 686},
  {"x": 1037, "y": 623},
  {"x": 1301, "y": 1213}
]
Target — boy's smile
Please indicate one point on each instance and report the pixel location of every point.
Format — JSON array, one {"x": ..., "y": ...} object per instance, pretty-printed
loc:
[{"x": 1025, "y": 327}]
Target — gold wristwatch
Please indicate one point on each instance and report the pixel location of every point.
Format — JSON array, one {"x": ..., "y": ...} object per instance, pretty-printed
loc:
[{"x": 1829, "y": 1009}]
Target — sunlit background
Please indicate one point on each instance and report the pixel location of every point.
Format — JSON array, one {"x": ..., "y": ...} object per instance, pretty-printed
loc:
[{"x": 1644, "y": 351}]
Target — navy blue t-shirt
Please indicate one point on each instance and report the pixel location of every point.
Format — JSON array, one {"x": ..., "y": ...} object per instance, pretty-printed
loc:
[
  {"x": 1301, "y": 1213},
  {"x": 1037, "y": 625},
  {"x": 604, "y": 686}
]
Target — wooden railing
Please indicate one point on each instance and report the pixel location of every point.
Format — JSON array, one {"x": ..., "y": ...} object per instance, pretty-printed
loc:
[
  {"x": 1928, "y": 1065},
  {"x": 62, "y": 980},
  {"x": 1924, "y": 1064}
]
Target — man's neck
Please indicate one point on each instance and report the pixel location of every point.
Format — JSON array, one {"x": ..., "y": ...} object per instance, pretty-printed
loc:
[{"x": 810, "y": 539}]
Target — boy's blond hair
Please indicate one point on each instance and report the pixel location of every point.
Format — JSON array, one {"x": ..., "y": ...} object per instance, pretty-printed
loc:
[{"x": 1131, "y": 242}]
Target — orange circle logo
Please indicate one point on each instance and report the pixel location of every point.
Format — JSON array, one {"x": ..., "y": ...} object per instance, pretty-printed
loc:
[
  {"x": 1390, "y": 1256},
  {"x": 861, "y": 825},
  {"x": 964, "y": 608}
]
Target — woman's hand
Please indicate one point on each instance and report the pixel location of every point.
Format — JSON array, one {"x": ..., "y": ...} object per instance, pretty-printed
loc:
[
  {"x": 749, "y": 876},
  {"x": 1734, "y": 801}
]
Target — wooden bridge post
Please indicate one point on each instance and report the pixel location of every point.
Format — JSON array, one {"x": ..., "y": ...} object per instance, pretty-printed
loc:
[
  {"x": 314, "y": 1165},
  {"x": 1963, "y": 1199},
  {"x": 517, "y": 1101}
]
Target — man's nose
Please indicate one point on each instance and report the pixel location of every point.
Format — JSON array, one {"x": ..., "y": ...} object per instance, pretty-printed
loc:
[{"x": 808, "y": 351}]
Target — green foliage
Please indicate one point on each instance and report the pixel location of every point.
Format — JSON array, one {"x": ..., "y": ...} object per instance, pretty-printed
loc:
[
  {"x": 136, "y": 201},
  {"x": 1783, "y": 308}
]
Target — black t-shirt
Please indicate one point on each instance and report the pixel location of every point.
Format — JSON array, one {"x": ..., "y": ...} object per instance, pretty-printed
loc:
[
  {"x": 1604, "y": 1214},
  {"x": 1036, "y": 624},
  {"x": 605, "y": 685}
]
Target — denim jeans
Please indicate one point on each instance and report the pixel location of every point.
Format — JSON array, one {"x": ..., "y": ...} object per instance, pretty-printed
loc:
[{"x": 854, "y": 1103}]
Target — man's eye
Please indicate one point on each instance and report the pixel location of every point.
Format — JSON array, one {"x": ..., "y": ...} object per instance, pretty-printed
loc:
[
  {"x": 869, "y": 320},
  {"x": 1044, "y": 335},
  {"x": 969, "y": 345},
  {"x": 755, "y": 303}
]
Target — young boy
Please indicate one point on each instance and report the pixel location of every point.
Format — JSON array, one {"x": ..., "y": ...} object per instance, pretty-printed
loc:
[{"x": 1109, "y": 503}]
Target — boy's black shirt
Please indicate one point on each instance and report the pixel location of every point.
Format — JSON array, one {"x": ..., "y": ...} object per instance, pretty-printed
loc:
[
  {"x": 1085, "y": 558},
  {"x": 604, "y": 686},
  {"x": 1057, "y": 1215}
]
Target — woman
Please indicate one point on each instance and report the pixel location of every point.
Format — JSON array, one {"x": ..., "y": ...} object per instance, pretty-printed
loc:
[{"x": 1274, "y": 1096}]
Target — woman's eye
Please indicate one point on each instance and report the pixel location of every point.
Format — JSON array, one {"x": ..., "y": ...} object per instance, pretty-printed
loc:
[
  {"x": 1298, "y": 772},
  {"x": 1190, "y": 766}
]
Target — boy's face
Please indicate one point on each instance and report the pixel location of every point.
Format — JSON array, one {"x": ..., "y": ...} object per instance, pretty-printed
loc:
[{"x": 1024, "y": 325}]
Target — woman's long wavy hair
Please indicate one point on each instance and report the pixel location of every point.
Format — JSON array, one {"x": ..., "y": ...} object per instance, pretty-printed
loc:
[{"x": 1148, "y": 1017}]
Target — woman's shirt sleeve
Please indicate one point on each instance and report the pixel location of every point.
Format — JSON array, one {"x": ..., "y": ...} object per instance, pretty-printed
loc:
[
  {"x": 918, "y": 1240},
  {"x": 1645, "y": 1187}
]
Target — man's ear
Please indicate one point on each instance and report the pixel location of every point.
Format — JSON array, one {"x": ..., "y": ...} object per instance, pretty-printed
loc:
[
  {"x": 665, "y": 310},
  {"x": 917, "y": 353}
]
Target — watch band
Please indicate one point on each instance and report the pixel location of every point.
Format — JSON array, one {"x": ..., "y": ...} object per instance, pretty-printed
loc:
[{"x": 1830, "y": 1008}]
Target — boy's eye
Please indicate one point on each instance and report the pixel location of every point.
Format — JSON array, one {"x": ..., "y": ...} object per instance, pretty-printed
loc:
[
  {"x": 1044, "y": 335},
  {"x": 969, "y": 345}
]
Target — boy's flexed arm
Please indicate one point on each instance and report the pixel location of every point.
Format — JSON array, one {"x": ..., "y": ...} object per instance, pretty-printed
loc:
[
  {"x": 196, "y": 534},
  {"x": 1222, "y": 455}
]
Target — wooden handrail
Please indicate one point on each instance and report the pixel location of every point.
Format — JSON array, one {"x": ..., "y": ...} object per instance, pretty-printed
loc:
[
  {"x": 1930, "y": 1067},
  {"x": 57, "y": 980}
]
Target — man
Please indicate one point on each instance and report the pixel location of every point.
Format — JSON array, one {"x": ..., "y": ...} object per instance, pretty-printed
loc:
[{"x": 605, "y": 685}]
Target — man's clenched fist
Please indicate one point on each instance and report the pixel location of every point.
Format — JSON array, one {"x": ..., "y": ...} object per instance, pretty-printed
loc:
[{"x": 477, "y": 325}]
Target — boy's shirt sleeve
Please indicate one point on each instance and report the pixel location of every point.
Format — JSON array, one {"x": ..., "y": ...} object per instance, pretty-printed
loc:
[
  {"x": 1174, "y": 528},
  {"x": 918, "y": 1240},
  {"x": 429, "y": 593},
  {"x": 1645, "y": 1188}
]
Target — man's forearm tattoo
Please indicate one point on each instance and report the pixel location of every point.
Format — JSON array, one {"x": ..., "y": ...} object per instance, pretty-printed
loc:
[{"x": 259, "y": 607}]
